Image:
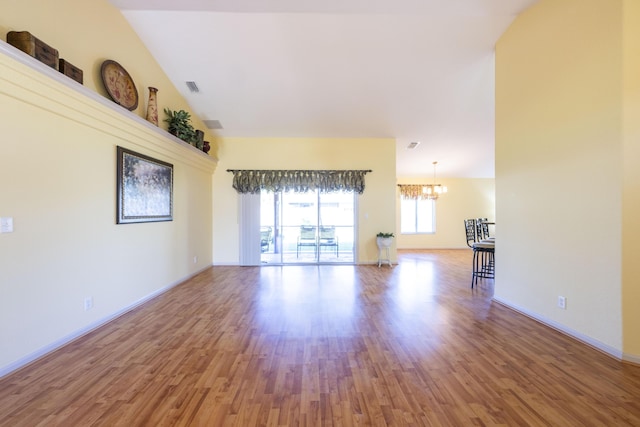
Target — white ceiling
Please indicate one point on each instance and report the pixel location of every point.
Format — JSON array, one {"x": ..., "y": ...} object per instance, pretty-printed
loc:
[{"x": 413, "y": 70}]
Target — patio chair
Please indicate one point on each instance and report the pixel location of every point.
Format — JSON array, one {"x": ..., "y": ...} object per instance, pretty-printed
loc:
[
  {"x": 307, "y": 237},
  {"x": 265, "y": 239},
  {"x": 328, "y": 238}
]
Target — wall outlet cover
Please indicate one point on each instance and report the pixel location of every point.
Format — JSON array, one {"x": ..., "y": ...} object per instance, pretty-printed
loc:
[{"x": 6, "y": 225}]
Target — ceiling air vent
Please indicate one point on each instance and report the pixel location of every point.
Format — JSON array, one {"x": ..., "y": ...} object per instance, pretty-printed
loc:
[
  {"x": 413, "y": 145},
  {"x": 212, "y": 124},
  {"x": 193, "y": 87}
]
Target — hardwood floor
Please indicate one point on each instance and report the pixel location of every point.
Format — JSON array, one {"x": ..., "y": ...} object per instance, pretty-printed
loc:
[{"x": 411, "y": 345}]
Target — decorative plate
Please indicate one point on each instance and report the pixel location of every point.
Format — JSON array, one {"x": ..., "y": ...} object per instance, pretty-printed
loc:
[{"x": 119, "y": 85}]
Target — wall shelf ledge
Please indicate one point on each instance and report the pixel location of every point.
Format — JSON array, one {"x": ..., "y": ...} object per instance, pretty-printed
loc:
[{"x": 25, "y": 78}]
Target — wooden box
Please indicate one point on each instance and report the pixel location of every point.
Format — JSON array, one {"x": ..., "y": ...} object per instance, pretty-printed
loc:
[
  {"x": 33, "y": 46},
  {"x": 70, "y": 70}
]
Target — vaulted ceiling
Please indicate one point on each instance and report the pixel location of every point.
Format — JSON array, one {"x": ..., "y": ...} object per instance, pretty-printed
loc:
[{"x": 413, "y": 70}]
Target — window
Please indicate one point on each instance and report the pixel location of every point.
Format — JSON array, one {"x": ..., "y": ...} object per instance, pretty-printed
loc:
[{"x": 417, "y": 216}]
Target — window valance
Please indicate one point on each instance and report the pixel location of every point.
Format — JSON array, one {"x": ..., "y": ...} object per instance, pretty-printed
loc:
[
  {"x": 299, "y": 181},
  {"x": 414, "y": 191}
]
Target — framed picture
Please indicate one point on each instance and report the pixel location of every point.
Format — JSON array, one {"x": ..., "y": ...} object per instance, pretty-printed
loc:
[{"x": 145, "y": 188}]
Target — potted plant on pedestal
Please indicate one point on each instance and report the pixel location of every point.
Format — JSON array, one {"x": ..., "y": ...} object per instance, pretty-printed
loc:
[{"x": 384, "y": 240}]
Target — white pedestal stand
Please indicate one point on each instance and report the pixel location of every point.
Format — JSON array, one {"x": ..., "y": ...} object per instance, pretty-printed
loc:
[{"x": 383, "y": 249}]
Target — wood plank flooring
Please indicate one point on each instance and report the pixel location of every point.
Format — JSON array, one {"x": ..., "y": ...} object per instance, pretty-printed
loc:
[{"x": 411, "y": 345}]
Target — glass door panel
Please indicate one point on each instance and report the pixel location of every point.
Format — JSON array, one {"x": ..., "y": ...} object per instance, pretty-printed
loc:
[
  {"x": 300, "y": 227},
  {"x": 336, "y": 227},
  {"x": 305, "y": 228},
  {"x": 270, "y": 248}
]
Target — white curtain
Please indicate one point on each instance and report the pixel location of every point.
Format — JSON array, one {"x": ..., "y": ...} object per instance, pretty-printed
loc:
[{"x": 249, "y": 229}]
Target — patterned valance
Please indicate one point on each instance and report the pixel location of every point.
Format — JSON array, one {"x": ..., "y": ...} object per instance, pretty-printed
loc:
[
  {"x": 299, "y": 181},
  {"x": 418, "y": 191}
]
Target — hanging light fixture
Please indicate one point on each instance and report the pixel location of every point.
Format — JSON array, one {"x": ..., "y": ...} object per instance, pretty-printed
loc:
[{"x": 433, "y": 191}]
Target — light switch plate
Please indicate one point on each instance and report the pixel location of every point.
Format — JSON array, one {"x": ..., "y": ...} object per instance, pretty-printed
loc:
[{"x": 6, "y": 225}]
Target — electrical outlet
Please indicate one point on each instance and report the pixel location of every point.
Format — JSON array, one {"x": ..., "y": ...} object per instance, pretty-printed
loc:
[
  {"x": 6, "y": 225},
  {"x": 88, "y": 303},
  {"x": 195, "y": 259},
  {"x": 562, "y": 302}
]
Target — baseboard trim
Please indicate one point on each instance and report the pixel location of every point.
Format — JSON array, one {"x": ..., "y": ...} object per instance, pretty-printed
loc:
[
  {"x": 285, "y": 265},
  {"x": 630, "y": 358},
  {"x": 67, "y": 339},
  {"x": 598, "y": 345}
]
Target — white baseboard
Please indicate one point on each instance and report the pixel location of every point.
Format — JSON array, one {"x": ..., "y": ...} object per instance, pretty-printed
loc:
[
  {"x": 280, "y": 265},
  {"x": 605, "y": 348},
  {"x": 630, "y": 358},
  {"x": 55, "y": 345}
]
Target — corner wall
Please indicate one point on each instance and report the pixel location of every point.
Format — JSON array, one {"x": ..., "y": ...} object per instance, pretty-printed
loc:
[
  {"x": 631, "y": 188},
  {"x": 559, "y": 167}
]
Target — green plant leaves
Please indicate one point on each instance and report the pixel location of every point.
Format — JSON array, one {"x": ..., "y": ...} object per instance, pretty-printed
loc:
[{"x": 180, "y": 125}]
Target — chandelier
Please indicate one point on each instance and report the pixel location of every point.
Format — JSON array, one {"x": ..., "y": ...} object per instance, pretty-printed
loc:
[{"x": 433, "y": 191}]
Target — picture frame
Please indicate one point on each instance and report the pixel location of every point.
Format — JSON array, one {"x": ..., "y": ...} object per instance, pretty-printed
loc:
[{"x": 144, "y": 188}]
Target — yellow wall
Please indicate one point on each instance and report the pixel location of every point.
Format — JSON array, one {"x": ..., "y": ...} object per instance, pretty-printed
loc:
[
  {"x": 376, "y": 206},
  {"x": 57, "y": 182},
  {"x": 466, "y": 198},
  {"x": 559, "y": 167},
  {"x": 631, "y": 188}
]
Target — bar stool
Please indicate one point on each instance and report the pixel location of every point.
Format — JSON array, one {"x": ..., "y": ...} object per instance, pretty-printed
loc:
[
  {"x": 483, "y": 252},
  {"x": 482, "y": 225},
  {"x": 483, "y": 261}
]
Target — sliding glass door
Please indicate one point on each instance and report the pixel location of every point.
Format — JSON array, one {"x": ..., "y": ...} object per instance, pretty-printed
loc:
[{"x": 311, "y": 227}]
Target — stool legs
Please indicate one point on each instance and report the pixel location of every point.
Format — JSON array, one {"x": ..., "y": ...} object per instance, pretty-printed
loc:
[{"x": 483, "y": 265}]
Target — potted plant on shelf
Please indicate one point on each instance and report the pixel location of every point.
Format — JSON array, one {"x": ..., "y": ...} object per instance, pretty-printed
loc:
[
  {"x": 384, "y": 239},
  {"x": 180, "y": 125}
]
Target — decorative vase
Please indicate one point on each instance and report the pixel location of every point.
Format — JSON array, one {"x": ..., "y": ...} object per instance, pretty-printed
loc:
[
  {"x": 152, "y": 106},
  {"x": 199, "y": 139},
  {"x": 206, "y": 147}
]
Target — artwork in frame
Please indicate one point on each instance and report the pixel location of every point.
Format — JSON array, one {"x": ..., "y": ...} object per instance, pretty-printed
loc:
[{"x": 145, "y": 188}]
